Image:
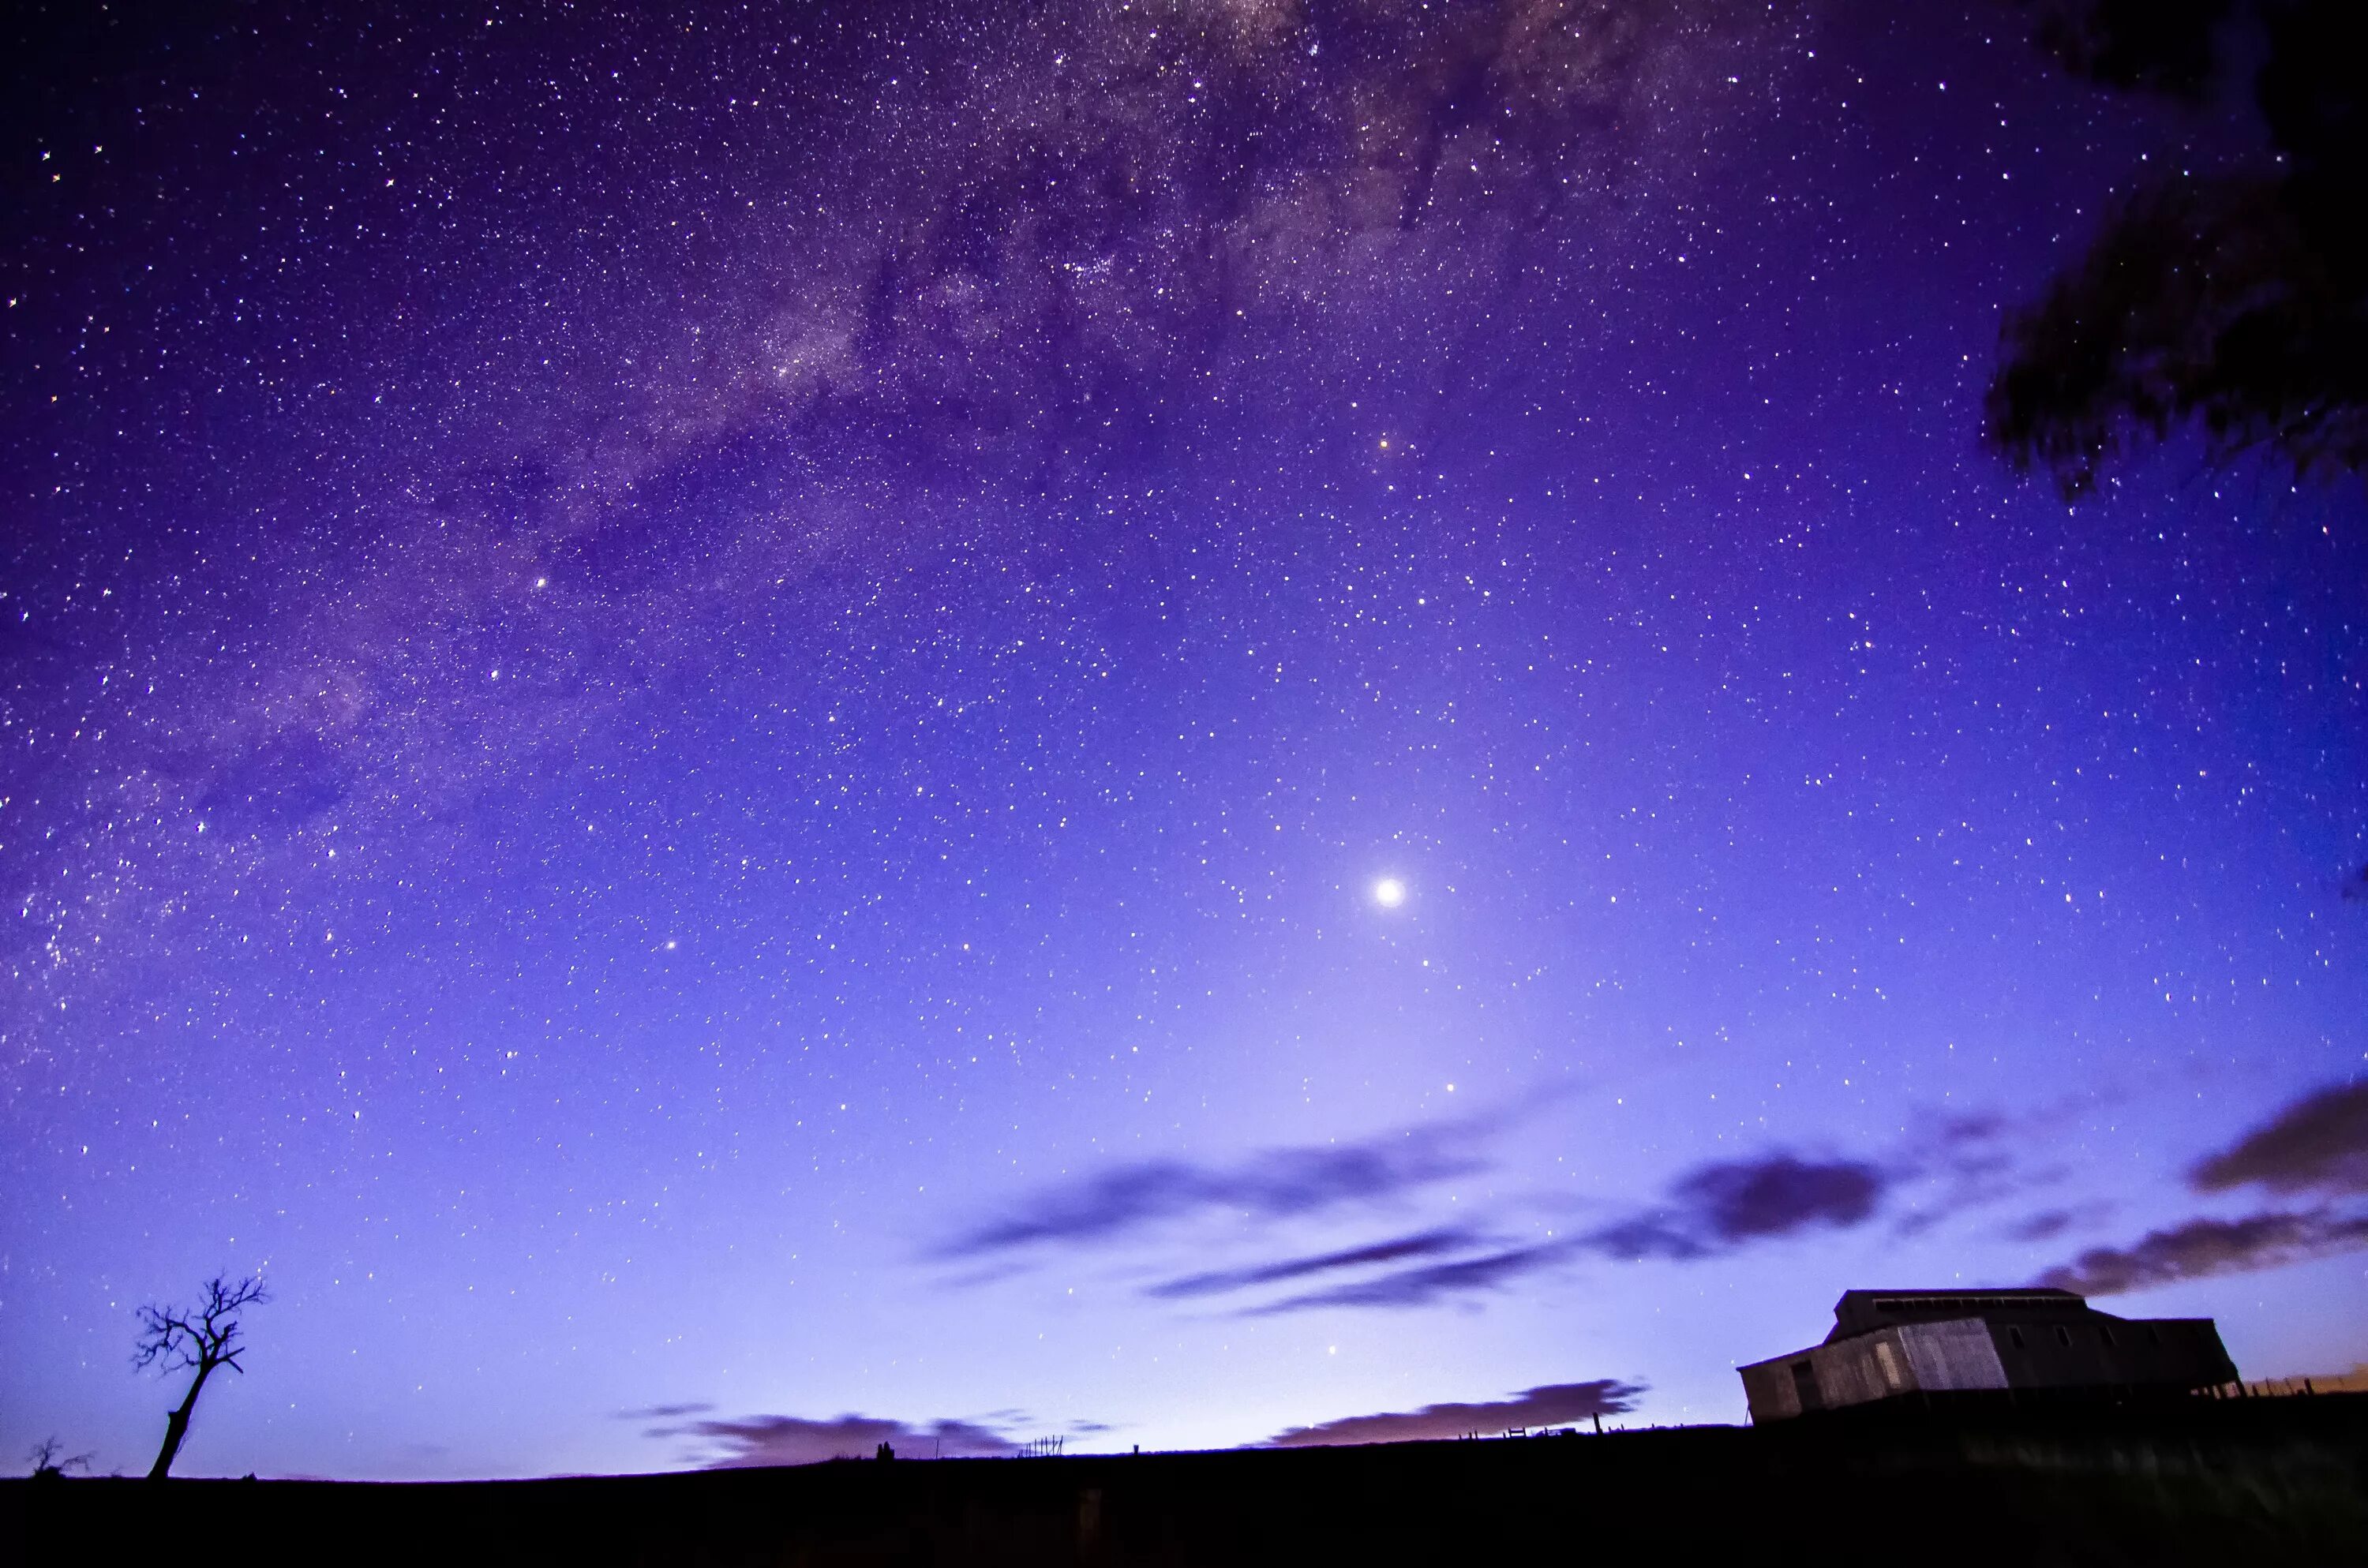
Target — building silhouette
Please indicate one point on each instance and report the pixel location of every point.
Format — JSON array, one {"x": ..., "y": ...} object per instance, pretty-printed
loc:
[{"x": 1891, "y": 1344}]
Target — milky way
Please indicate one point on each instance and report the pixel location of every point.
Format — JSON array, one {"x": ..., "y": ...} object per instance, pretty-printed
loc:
[{"x": 703, "y": 717}]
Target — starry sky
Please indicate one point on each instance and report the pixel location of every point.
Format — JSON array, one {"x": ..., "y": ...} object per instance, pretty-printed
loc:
[{"x": 702, "y": 713}]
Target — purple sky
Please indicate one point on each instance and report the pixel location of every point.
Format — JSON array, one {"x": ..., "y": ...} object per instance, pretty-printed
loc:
[{"x": 699, "y": 718}]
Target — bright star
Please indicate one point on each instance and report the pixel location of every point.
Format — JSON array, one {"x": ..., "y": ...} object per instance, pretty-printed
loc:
[{"x": 1389, "y": 892}]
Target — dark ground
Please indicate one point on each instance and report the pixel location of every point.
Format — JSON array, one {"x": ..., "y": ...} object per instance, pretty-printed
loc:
[{"x": 2241, "y": 1482}]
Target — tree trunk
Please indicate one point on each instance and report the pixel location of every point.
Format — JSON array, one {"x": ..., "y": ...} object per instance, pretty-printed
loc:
[{"x": 177, "y": 1425}]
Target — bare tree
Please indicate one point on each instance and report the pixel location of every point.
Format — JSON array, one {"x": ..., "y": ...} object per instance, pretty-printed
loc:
[
  {"x": 199, "y": 1340},
  {"x": 51, "y": 1459}
]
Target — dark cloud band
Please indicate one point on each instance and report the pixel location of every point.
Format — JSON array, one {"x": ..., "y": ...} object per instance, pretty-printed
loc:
[
  {"x": 1549, "y": 1404},
  {"x": 759, "y": 1441},
  {"x": 2201, "y": 1248},
  {"x": 2319, "y": 1143}
]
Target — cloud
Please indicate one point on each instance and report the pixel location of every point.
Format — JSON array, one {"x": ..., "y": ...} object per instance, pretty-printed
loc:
[
  {"x": 665, "y": 1412},
  {"x": 1547, "y": 1405},
  {"x": 1647, "y": 1235},
  {"x": 1278, "y": 1184},
  {"x": 1782, "y": 1195},
  {"x": 1723, "y": 1205},
  {"x": 1421, "y": 1286},
  {"x": 1713, "y": 1208},
  {"x": 1423, "y": 1243},
  {"x": 1968, "y": 1147},
  {"x": 2044, "y": 1226},
  {"x": 759, "y": 1440},
  {"x": 1741, "y": 1200},
  {"x": 2319, "y": 1142},
  {"x": 2200, "y": 1248}
]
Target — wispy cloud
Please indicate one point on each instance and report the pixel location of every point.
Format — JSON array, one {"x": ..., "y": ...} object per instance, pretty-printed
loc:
[
  {"x": 2043, "y": 1226},
  {"x": 1433, "y": 1282},
  {"x": 1277, "y": 1183},
  {"x": 665, "y": 1412},
  {"x": 1549, "y": 1404},
  {"x": 2319, "y": 1143},
  {"x": 2200, "y": 1248},
  {"x": 1212, "y": 1282},
  {"x": 1968, "y": 1143}
]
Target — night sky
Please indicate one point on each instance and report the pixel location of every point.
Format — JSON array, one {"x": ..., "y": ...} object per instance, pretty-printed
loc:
[{"x": 743, "y": 730}]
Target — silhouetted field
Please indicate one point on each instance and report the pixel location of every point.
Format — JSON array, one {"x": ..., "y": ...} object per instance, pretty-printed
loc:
[{"x": 2265, "y": 1481}]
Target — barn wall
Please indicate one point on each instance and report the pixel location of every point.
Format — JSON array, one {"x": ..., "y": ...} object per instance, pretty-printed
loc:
[
  {"x": 1768, "y": 1389},
  {"x": 1957, "y": 1355}
]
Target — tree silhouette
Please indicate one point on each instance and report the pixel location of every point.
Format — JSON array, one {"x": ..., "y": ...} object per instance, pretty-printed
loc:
[
  {"x": 50, "y": 1460},
  {"x": 2237, "y": 303},
  {"x": 202, "y": 1339}
]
